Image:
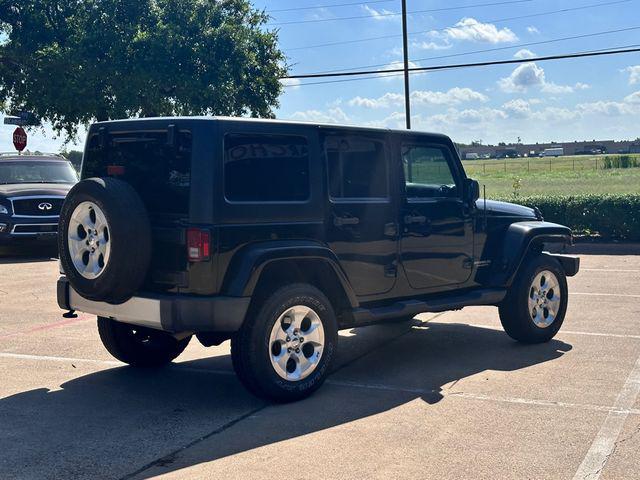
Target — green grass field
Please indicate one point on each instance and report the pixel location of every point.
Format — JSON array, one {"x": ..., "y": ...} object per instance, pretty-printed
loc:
[{"x": 554, "y": 176}]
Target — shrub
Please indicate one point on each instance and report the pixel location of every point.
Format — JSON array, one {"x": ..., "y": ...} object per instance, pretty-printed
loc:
[
  {"x": 610, "y": 216},
  {"x": 620, "y": 161}
]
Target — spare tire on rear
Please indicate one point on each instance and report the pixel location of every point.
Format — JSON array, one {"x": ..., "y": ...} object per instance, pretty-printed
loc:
[{"x": 104, "y": 239}]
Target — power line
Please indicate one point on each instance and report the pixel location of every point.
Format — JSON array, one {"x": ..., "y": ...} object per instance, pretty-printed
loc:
[
  {"x": 399, "y": 71},
  {"x": 334, "y": 5},
  {"x": 397, "y": 14},
  {"x": 496, "y": 49},
  {"x": 499, "y": 20}
]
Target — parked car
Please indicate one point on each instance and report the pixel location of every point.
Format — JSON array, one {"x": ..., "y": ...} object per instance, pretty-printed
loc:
[
  {"x": 278, "y": 234},
  {"x": 32, "y": 190}
]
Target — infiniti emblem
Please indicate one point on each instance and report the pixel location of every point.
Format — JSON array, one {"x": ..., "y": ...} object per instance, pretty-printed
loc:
[{"x": 45, "y": 206}]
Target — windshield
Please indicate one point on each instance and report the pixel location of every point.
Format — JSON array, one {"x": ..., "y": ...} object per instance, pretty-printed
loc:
[{"x": 37, "y": 172}]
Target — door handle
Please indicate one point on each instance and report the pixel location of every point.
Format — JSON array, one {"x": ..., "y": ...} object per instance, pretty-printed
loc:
[
  {"x": 341, "y": 221},
  {"x": 409, "y": 219}
]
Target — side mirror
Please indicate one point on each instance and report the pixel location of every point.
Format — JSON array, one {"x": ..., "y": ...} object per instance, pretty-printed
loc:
[{"x": 472, "y": 190}]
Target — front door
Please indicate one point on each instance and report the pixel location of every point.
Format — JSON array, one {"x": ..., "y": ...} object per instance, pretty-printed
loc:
[
  {"x": 362, "y": 224},
  {"x": 437, "y": 229}
]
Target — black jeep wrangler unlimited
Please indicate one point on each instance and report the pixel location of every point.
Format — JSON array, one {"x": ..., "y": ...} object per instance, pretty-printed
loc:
[{"x": 277, "y": 234}]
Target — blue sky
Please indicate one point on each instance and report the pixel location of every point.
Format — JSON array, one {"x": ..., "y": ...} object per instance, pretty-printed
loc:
[{"x": 562, "y": 101}]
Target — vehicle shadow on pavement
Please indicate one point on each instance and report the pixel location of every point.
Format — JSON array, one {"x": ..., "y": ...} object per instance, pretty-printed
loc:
[
  {"x": 121, "y": 420},
  {"x": 11, "y": 255}
]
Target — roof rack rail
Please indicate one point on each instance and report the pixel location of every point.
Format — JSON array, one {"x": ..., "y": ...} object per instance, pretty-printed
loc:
[{"x": 30, "y": 154}]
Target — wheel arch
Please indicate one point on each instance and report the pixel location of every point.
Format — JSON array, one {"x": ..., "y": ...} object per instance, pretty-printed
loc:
[
  {"x": 262, "y": 267},
  {"x": 523, "y": 239}
]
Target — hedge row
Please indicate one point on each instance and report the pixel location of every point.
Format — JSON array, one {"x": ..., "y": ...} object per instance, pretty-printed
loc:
[{"x": 609, "y": 216}]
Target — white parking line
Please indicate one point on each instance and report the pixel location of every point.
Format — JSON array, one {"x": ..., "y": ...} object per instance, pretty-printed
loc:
[
  {"x": 566, "y": 332},
  {"x": 605, "y": 442},
  {"x": 608, "y": 270},
  {"x": 605, "y": 294}
]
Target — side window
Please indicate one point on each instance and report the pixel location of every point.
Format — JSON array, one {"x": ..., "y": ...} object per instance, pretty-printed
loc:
[
  {"x": 427, "y": 172},
  {"x": 357, "y": 168},
  {"x": 266, "y": 168}
]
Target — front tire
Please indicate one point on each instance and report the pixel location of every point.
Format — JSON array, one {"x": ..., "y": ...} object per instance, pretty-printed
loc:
[
  {"x": 286, "y": 346},
  {"x": 535, "y": 306},
  {"x": 139, "y": 346}
]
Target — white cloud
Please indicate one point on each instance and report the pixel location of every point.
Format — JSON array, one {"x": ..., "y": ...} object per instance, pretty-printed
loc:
[
  {"x": 633, "y": 98},
  {"x": 550, "y": 87},
  {"x": 529, "y": 75},
  {"x": 524, "y": 53},
  {"x": 332, "y": 115},
  {"x": 385, "y": 101},
  {"x": 609, "y": 108},
  {"x": 319, "y": 13},
  {"x": 517, "y": 108},
  {"x": 382, "y": 14},
  {"x": 634, "y": 74},
  {"x": 524, "y": 76},
  {"x": 467, "y": 116},
  {"x": 473, "y": 30},
  {"x": 394, "y": 66},
  {"x": 291, "y": 83},
  {"x": 453, "y": 96},
  {"x": 532, "y": 30},
  {"x": 426, "y": 45}
]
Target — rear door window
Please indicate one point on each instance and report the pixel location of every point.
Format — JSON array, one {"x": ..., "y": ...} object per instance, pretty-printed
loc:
[
  {"x": 357, "y": 167},
  {"x": 266, "y": 168}
]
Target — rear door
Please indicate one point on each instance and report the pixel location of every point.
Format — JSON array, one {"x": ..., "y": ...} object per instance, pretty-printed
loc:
[
  {"x": 437, "y": 229},
  {"x": 362, "y": 219}
]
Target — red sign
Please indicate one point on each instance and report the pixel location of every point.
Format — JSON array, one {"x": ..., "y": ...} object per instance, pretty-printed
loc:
[{"x": 20, "y": 139}]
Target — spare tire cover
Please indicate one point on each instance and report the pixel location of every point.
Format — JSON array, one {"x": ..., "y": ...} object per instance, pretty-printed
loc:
[{"x": 104, "y": 239}]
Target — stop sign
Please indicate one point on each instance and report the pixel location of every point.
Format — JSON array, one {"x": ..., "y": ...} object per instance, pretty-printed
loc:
[{"x": 20, "y": 139}]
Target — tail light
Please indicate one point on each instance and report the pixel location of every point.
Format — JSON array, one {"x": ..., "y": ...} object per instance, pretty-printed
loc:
[{"x": 198, "y": 245}]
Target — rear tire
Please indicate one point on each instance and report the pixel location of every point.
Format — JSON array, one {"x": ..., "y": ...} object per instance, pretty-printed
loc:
[
  {"x": 535, "y": 306},
  {"x": 286, "y": 346},
  {"x": 139, "y": 346}
]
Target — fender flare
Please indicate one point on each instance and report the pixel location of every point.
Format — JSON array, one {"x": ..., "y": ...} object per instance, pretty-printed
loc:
[
  {"x": 519, "y": 238},
  {"x": 248, "y": 263}
]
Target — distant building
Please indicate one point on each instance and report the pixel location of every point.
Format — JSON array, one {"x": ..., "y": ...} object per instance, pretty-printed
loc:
[{"x": 587, "y": 147}]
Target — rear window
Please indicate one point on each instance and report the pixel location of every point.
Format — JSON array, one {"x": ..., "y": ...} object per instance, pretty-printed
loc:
[
  {"x": 159, "y": 172},
  {"x": 266, "y": 168}
]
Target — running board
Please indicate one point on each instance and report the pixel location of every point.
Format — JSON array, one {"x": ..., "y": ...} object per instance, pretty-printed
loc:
[{"x": 407, "y": 308}]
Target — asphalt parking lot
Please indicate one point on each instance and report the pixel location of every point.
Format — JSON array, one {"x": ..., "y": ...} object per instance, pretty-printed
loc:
[{"x": 443, "y": 396}]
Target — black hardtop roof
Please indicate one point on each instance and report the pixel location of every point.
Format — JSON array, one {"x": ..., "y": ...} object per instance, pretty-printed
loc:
[{"x": 155, "y": 122}]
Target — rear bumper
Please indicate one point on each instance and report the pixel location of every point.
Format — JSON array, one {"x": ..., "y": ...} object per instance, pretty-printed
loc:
[{"x": 170, "y": 313}]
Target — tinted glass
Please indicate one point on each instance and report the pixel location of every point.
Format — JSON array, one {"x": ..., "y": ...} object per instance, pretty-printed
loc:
[
  {"x": 357, "y": 167},
  {"x": 159, "y": 172},
  {"x": 266, "y": 168},
  {"x": 37, "y": 172},
  {"x": 427, "y": 172}
]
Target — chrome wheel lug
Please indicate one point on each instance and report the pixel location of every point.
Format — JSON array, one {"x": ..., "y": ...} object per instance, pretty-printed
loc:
[
  {"x": 288, "y": 338},
  {"x": 289, "y": 350},
  {"x": 301, "y": 339},
  {"x": 297, "y": 350}
]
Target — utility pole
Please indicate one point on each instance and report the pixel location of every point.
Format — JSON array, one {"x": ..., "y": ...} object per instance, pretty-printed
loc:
[{"x": 405, "y": 48}]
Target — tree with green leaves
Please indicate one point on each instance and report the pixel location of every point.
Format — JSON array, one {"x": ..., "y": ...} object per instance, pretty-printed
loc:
[{"x": 72, "y": 62}]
